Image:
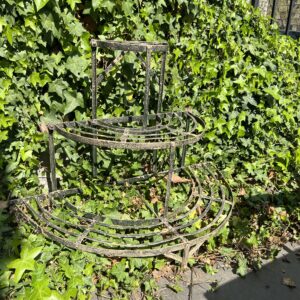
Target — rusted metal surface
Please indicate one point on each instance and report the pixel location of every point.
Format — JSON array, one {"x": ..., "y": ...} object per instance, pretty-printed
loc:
[{"x": 208, "y": 199}]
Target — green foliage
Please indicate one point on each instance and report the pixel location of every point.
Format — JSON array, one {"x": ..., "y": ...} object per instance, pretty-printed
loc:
[
  {"x": 25, "y": 262},
  {"x": 242, "y": 265},
  {"x": 225, "y": 61}
]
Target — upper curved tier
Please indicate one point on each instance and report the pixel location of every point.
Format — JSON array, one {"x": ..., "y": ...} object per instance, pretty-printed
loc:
[
  {"x": 137, "y": 46},
  {"x": 172, "y": 129}
]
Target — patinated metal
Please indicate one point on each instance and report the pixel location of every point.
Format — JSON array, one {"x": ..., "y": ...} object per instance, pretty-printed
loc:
[{"x": 208, "y": 203}]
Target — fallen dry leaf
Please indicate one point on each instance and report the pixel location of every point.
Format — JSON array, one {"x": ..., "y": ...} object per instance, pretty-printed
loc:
[
  {"x": 3, "y": 204},
  {"x": 166, "y": 271},
  {"x": 177, "y": 179},
  {"x": 43, "y": 128},
  {"x": 271, "y": 209},
  {"x": 198, "y": 210},
  {"x": 136, "y": 295},
  {"x": 153, "y": 196},
  {"x": 242, "y": 192},
  {"x": 137, "y": 201},
  {"x": 288, "y": 282},
  {"x": 272, "y": 174}
]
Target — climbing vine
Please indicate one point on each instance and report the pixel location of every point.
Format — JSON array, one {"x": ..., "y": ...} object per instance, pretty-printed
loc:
[{"x": 226, "y": 61}]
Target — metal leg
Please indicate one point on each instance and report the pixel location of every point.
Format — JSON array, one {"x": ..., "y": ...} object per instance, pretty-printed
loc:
[
  {"x": 184, "y": 148},
  {"x": 94, "y": 83},
  {"x": 94, "y": 107},
  {"x": 161, "y": 82},
  {"x": 169, "y": 181},
  {"x": 185, "y": 256},
  {"x": 159, "y": 104},
  {"x": 147, "y": 88},
  {"x": 94, "y": 161},
  {"x": 154, "y": 161},
  {"x": 52, "y": 161}
]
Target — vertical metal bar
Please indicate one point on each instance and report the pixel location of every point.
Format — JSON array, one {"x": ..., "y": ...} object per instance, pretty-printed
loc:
[
  {"x": 159, "y": 104},
  {"x": 169, "y": 180},
  {"x": 274, "y": 7},
  {"x": 184, "y": 148},
  {"x": 94, "y": 83},
  {"x": 94, "y": 161},
  {"x": 185, "y": 256},
  {"x": 255, "y": 3},
  {"x": 94, "y": 105},
  {"x": 52, "y": 160},
  {"x": 154, "y": 161},
  {"x": 147, "y": 87},
  {"x": 161, "y": 81},
  {"x": 191, "y": 285},
  {"x": 289, "y": 17}
]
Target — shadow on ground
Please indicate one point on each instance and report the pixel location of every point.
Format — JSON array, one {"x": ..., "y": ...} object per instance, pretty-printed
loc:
[
  {"x": 279, "y": 214},
  {"x": 279, "y": 279},
  {"x": 271, "y": 282}
]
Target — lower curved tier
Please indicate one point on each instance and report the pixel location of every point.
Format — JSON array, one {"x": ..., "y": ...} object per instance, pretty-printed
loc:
[{"x": 65, "y": 217}]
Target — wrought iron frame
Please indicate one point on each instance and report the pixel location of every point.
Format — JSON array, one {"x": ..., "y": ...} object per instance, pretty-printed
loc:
[{"x": 168, "y": 130}]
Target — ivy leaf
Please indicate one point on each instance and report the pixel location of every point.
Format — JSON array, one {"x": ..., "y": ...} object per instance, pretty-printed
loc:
[
  {"x": 273, "y": 91},
  {"x": 2, "y": 23},
  {"x": 249, "y": 99},
  {"x": 77, "y": 65},
  {"x": 242, "y": 266},
  {"x": 4, "y": 279},
  {"x": 73, "y": 3},
  {"x": 119, "y": 270},
  {"x": 127, "y": 7},
  {"x": 40, "y": 4},
  {"x": 96, "y": 3},
  {"x": 40, "y": 289},
  {"x": 72, "y": 101},
  {"x": 8, "y": 33},
  {"x": 25, "y": 262}
]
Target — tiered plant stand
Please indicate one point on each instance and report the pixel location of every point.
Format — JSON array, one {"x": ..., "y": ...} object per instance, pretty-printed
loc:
[{"x": 174, "y": 229}]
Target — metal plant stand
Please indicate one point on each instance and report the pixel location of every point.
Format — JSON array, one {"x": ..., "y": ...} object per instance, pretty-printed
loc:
[{"x": 170, "y": 229}]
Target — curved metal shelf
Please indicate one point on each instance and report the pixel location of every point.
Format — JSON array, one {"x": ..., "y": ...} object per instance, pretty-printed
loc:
[
  {"x": 208, "y": 207},
  {"x": 137, "y": 46},
  {"x": 171, "y": 129}
]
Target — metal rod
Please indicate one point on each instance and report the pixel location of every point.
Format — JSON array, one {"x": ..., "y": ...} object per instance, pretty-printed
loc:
[
  {"x": 154, "y": 161},
  {"x": 255, "y": 3},
  {"x": 52, "y": 161},
  {"x": 94, "y": 83},
  {"x": 161, "y": 82},
  {"x": 289, "y": 17},
  {"x": 94, "y": 161},
  {"x": 159, "y": 104},
  {"x": 169, "y": 180},
  {"x": 273, "y": 10},
  {"x": 147, "y": 87},
  {"x": 94, "y": 106},
  {"x": 184, "y": 148},
  {"x": 185, "y": 256},
  {"x": 191, "y": 284},
  {"x": 108, "y": 69}
]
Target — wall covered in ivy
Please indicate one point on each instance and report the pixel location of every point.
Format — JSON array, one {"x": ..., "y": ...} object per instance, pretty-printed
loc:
[{"x": 226, "y": 61}]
